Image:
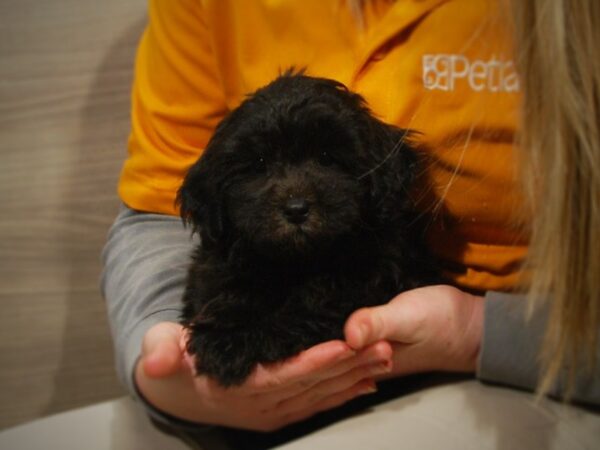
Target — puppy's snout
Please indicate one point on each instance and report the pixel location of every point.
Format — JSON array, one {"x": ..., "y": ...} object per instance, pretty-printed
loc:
[{"x": 296, "y": 210}]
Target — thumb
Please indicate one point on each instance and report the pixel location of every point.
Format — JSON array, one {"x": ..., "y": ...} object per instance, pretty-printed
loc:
[
  {"x": 395, "y": 321},
  {"x": 161, "y": 350}
]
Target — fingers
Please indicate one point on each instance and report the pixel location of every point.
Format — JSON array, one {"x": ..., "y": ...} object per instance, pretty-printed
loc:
[
  {"x": 323, "y": 361},
  {"x": 334, "y": 387},
  {"x": 365, "y": 326},
  {"x": 304, "y": 367},
  {"x": 397, "y": 320},
  {"x": 161, "y": 350},
  {"x": 319, "y": 378},
  {"x": 363, "y": 387},
  {"x": 377, "y": 354}
]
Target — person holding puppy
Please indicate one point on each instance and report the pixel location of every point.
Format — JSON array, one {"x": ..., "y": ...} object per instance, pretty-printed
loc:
[{"x": 451, "y": 71}]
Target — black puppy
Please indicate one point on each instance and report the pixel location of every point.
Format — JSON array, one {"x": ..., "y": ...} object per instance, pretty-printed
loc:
[{"x": 301, "y": 199}]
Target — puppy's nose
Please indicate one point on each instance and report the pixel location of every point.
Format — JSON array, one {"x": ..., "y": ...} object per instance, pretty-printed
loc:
[{"x": 296, "y": 210}]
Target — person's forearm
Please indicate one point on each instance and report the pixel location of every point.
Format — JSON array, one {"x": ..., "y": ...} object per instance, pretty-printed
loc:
[
  {"x": 145, "y": 266},
  {"x": 510, "y": 347}
]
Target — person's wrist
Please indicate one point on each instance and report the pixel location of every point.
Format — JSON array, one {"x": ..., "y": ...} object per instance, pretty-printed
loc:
[
  {"x": 474, "y": 331},
  {"x": 162, "y": 413},
  {"x": 169, "y": 396}
]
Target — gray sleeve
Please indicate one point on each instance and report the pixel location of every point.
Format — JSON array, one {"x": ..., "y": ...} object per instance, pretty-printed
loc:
[
  {"x": 510, "y": 347},
  {"x": 145, "y": 266}
]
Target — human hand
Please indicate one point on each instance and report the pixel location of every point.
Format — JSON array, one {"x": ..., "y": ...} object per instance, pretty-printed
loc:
[
  {"x": 322, "y": 377},
  {"x": 431, "y": 328}
]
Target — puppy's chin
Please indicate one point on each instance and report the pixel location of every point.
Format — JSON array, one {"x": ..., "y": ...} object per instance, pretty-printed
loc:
[{"x": 296, "y": 243}]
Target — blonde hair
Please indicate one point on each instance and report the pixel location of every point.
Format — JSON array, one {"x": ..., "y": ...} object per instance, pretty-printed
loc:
[
  {"x": 557, "y": 51},
  {"x": 557, "y": 47}
]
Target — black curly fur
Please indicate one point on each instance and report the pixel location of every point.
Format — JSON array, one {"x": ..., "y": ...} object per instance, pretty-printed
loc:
[{"x": 265, "y": 285}]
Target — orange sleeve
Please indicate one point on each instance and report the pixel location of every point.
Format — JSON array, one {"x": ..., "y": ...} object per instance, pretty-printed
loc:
[{"x": 177, "y": 101}]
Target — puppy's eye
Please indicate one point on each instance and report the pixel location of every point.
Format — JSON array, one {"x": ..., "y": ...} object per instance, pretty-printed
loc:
[
  {"x": 325, "y": 158},
  {"x": 260, "y": 164}
]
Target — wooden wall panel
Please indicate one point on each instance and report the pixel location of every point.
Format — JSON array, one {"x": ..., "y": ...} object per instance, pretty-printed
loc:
[{"x": 65, "y": 75}]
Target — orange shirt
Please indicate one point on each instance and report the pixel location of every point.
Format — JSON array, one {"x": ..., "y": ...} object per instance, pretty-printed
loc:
[{"x": 442, "y": 67}]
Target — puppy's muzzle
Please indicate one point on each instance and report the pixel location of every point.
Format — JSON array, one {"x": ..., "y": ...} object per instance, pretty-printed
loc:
[{"x": 296, "y": 210}]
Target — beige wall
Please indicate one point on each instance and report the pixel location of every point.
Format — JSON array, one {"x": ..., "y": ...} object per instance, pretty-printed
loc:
[{"x": 65, "y": 73}]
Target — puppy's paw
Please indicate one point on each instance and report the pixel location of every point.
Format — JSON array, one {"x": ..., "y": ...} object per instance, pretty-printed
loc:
[{"x": 227, "y": 355}]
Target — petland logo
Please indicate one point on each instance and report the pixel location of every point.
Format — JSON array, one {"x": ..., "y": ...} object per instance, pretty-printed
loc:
[{"x": 446, "y": 71}]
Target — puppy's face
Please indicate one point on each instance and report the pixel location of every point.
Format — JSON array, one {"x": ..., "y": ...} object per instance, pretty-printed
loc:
[
  {"x": 299, "y": 166},
  {"x": 294, "y": 188}
]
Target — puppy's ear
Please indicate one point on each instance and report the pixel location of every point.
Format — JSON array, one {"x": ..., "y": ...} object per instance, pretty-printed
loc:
[
  {"x": 202, "y": 196},
  {"x": 200, "y": 202},
  {"x": 394, "y": 164}
]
